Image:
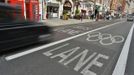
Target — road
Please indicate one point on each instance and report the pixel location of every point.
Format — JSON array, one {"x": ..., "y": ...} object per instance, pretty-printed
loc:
[
  {"x": 130, "y": 60},
  {"x": 81, "y": 49}
]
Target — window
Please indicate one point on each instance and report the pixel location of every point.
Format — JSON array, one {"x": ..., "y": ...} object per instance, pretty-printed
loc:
[{"x": 55, "y": 9}]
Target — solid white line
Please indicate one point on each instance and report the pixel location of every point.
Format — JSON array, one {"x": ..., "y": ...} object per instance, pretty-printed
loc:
[
  {"x": 54, "y": 43},
  {"x": 122, "y": 61}
]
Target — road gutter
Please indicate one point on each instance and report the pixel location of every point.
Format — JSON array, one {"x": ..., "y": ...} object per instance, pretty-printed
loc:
[
  {"x": 122, "y": 61},
  {"x": 11, "y": 57}
]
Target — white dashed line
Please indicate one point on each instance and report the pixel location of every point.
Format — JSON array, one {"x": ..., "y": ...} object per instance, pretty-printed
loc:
[{"x": 11, "y": 57}]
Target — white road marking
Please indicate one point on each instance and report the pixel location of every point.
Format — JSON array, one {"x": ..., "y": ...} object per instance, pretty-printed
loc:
[
  {"x": 98, "y": 36},
  {"x": 64, "y": 55},
  {"x": 48, "y": 53},
  {"x": 69, "y": 31},
  {"x": 85, "y": 61},
  {"x": 118, "y": 41},
  {"x": 122, "y": 61},
  {"x": 82, "y": 27},
  {"x": 87, "y": 71},
  {"x": 11, "y": 57},
  {"x": 82, "y": 61},
  {"x": 93, "y": 35}
]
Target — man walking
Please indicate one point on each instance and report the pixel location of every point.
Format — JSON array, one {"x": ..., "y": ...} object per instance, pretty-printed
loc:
[{"x": 81, "y": 16}]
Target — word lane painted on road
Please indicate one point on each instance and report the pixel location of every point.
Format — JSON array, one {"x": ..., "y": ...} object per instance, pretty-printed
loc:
[
  {"x": 86, "y": 58},
  {"x": 68, "y": 31}
]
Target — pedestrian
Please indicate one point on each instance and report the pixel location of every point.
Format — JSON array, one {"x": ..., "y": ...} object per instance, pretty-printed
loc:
[
  {"x": 92, "y": 16},
  {"x": 47, "y": 15},
  {"x": 81, "y": 16},
  {"x": 97, "y": 17},
  {"x": 72, "y": 15}
]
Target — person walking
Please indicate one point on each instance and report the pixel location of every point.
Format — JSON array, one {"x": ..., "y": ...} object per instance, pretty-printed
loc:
[
  {"x": 92, "y": 16},
  {"x": 81, "y": 16}
]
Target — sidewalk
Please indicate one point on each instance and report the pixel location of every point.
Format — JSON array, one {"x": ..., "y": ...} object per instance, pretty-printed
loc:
[{"x": 60, "y": 22}]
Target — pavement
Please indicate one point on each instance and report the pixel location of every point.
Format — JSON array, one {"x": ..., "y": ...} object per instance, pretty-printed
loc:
[
  {"x": 79, "y": 49},
  {"x": 60, "y": 22}
]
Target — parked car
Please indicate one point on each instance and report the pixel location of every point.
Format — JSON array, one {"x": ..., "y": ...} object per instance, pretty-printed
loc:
[
  {"x": 17, "y": 32},
  {"x": 130, "y": 17}
]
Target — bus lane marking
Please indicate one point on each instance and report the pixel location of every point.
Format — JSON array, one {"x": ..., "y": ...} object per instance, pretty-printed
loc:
[
  {"x": 101, "y": 38},
  {"x": 14, "y": 56},
  {"x": 91, "y": 60},
  {"x": 68, "y": 31},
  {"x": 72, "y": 30}
]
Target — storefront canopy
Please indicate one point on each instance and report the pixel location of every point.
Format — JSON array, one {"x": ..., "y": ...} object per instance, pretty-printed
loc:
[
  {"x": 67, "y": 4},
  {"x": 53, "y": 4}
]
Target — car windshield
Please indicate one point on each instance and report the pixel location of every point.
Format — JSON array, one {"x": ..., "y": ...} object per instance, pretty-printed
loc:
[{"x": 130, "y": 15}]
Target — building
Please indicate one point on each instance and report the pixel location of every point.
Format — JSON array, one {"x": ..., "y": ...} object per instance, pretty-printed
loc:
[
  {"x": 30, "y": 9},
  {"x": 113, "y": 5},
  {"x": 106, "y": 4},
  {"x": 130, "y": 7},
  {"x": 121, "y": 6},
  {"x": 86, "y": 8},
  {"x": 66, "y": 6},
  {"x": 52, "y": 10}
]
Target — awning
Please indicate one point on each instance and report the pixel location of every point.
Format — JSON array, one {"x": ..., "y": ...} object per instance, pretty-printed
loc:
[
  {"x": 99, "y": 4},
  {"x": 82, "y": 10},
  {"x": 53, "y": 4}
]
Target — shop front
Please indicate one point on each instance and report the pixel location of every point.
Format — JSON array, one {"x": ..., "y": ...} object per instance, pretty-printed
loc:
[
  {"x": 52, "y": 10},
  {"x": 67, "y": 8},
  {"x": 29, "y": 8},
  {"x": 19, "y": 3},
  {"x": 32, "y": 10}
]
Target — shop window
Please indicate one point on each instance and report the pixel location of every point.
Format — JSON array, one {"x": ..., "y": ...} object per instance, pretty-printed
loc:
[
  {"x": 55, "y": 9},
  {"x": 52, "y": 9}
]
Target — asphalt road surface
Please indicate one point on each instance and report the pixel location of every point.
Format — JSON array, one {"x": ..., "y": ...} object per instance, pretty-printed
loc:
[
  {"x": 82, "y": 49},
  {"x": 130, "y": 61}
]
